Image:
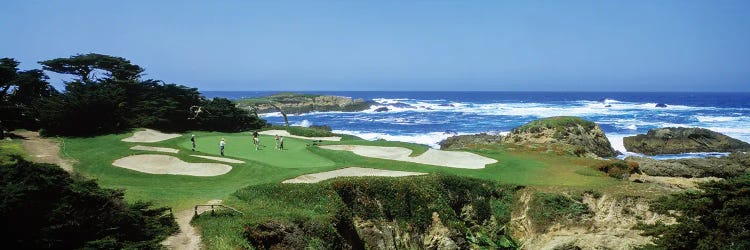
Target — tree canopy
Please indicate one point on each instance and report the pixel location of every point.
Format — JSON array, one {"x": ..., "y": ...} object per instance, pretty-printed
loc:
[
  {"x": 83, "y": 65},
  {"x": 108, "y": 95},
  {"x": 19, "y": 93}
]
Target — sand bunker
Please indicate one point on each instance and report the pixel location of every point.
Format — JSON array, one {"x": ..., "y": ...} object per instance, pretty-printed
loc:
[
  {"x": 164, "y": 164},
  {"x": 451, "y": 159},
  {"x": 155, "y": 149},
  {"x": 227, "y": 160},
  {"x": 352, "y": 171},
  {"x": 286, "y": 134},
  {"x": 149, "y": 135}
]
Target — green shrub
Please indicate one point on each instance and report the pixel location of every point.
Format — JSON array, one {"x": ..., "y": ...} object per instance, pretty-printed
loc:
[
  {"x": 319, "y": 131},
  {"x": 313, "y": 214},
  {"x": 549, "y": 208},
  {"x": 716, "y": 217},
  {"x": 559, "y": 123},
  {"x": 618, "y": 168},
  {"x": 43, "y": 207}
]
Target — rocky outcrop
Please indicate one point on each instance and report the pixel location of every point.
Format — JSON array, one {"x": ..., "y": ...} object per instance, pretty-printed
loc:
[
  {"x": 723, "y": 167},
  {"x": 579, "y": 136},
  {"x": 470, "y": 141},
  {"x": 682, "y": 140},
  {"x": 609, "y": 225},
  {"x": 293, "y": 103}
]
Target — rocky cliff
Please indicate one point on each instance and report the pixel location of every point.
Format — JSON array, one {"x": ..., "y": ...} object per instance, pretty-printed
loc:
[
  {"x": 292, "y": 103},
  {"x": 735, "y": 164},
  {"x": 579, "y": 136},
  {"x": 606, "y": 223},
  {"x": 682, "y": 140}
]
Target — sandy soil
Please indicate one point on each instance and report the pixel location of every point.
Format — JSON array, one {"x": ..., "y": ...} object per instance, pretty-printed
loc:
[
  {"x": 150, "y": 135},
  {"x": 227, "y": 160},
  {"x": 44, "y": 150},
  {"x": 452, "y": 159},
  {"x": 164, "y": 164},
  {"x": 155, "y": 149},
  {"x": 351, "y": 171},
  {"x": 188, "y": 238},
  {"x": 286, "y": 134}
]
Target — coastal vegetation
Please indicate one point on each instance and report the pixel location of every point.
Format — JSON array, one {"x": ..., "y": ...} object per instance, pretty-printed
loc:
[
  {"x": 574, "y": 135},
  {"x": 108, "y": 95},
  {"x": 715, "y": 217},
  {"x": 378, "y": 213},
  {"x": 296, "y": 103},
  {"x": 44, "y": 207},
  {"x": 549, "y": 173}
]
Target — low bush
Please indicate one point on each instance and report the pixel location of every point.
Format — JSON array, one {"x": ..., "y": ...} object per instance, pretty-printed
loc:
[
  {"x": 44, "y": 207},
  {"x": 546, "y": 209},
  {"x": 306, "y": 215},
  {"x": 715, "y": 217},
  {"x": 559, "y": 123},
  {"x": 312, "y": 131},
  {"x": 618, "y": 168}
]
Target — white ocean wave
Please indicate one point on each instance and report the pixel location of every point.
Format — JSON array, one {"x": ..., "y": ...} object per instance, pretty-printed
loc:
[
  {"x": 303, "y": 123},
  {"x": 717, "y": 118},
  {"x": 430, "y": 139}
]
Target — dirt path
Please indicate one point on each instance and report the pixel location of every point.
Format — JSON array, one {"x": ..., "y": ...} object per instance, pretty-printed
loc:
[
  {"x": 188, "y": 238},
  {"x": 44, "y": 150}
]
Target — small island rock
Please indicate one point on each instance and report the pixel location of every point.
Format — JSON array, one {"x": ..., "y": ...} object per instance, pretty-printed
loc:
[{"x": 682, "y": 140}]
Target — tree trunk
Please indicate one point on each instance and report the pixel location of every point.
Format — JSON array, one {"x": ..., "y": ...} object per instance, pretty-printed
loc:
[{"x": 286, "y": 120}]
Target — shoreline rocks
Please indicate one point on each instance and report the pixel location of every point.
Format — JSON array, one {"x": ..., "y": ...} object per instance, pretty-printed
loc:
[
  {"x": 682, "y": 140},
  {"x": 293, "y": 103},
  {"x": 583, "y": 137}
]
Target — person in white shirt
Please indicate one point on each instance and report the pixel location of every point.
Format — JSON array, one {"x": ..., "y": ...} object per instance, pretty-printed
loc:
[{"x": 221, "y": 146}]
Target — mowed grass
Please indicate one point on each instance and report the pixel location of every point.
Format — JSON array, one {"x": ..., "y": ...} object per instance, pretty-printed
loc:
[
  {"x": 95, "y": 156},
  {"x": 240, "y": 146}
]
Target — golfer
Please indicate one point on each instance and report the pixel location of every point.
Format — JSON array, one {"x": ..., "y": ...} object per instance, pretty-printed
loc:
[{"x": 221, "y": 146}]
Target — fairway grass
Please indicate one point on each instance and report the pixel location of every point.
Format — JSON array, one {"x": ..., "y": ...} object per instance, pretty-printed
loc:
[{"x": 268, "y": 165}]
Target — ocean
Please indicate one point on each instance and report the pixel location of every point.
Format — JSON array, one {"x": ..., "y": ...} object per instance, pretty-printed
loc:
[{"x": 429, "y": 117}]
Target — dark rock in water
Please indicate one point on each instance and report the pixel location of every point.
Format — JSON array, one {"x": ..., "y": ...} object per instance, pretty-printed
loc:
[
  {"x": 445, "y": 105},
  {"x": 381, "y": 109},
  {"x": 735, "y": 164},
  {"x": 577, "y": 136},
  {"x": 682, "y": 140},
  {"x": 450, "y": 132},
  {"x": 608, "y": 106},
  {"x": 661, "y": 105},
  {"x": 401, "y": 105}
]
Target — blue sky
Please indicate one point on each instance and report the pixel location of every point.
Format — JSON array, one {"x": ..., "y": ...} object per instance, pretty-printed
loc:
[{"x": 399, "y": 45}]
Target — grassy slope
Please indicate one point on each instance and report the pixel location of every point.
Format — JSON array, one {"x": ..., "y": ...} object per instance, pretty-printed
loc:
[
  {"x": 95, "y": 155},
  {"x": 8, "y": 148}
]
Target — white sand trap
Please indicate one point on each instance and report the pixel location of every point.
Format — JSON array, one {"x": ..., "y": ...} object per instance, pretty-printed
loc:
[
  {"x": 351, "y": 171},
  {"x": 155, "y": 149},
  {"x": 287, "y": 134},
  {"x": 451, "y": 159},
  {"x": 165, "y": 164},
  {"x": 150, "y": 135},
  {"x": 227, "y": 160}
]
